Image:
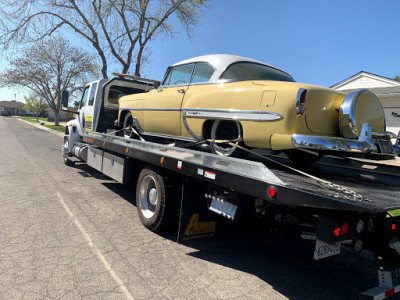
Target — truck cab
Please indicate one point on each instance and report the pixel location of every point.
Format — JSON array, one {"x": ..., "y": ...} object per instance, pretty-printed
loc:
[{"x": 98, "y": 107}]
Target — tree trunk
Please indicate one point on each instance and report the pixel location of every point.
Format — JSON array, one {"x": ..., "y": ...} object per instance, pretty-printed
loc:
[
  {"x": 37, "y": 114},
  {"x": 56, "y": 118}
]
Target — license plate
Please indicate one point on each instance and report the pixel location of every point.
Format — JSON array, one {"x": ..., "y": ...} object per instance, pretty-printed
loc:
[
  {"x": 385, "y": 146},
  {"x": 323, "y": 249}
]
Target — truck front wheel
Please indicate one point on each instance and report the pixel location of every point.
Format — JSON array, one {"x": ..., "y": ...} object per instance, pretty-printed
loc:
[
  {"x": 67, "y": 161},
  {"x": 155, "y": 201}
]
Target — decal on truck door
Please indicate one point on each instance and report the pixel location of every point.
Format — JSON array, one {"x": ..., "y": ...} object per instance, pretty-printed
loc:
[{"x": 88, "y": 123}]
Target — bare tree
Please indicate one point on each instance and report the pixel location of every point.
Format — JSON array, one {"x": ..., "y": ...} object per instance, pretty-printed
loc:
[
  {"x": 49, "y": 67},
  {"x": 34, "y": 104},
  {"x": 119, "y": 28}
]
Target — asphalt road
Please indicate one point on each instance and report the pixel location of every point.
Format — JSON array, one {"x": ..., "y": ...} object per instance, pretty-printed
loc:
[{"x": 72, "y": 233}]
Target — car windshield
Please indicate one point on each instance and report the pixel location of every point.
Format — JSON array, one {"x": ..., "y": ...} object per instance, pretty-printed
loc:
[{"x": 254, "y": 71}]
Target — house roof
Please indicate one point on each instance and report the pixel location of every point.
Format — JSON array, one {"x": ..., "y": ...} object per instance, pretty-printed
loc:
[
  {"x": 383, "y": 81},
  {"x": 12, "y": 104},
  {"x": 379, "y": 90}
]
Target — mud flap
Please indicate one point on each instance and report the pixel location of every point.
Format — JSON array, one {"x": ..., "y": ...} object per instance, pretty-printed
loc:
[{"x": 196, "y": 220}]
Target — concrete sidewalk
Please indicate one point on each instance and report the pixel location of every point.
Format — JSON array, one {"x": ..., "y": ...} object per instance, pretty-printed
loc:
[{"x": 39, "y": 125}]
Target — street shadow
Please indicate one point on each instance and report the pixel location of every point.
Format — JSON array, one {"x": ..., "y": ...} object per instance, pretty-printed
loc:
[
  {"x": 85, "y": 171},
  {"x": 280, "y": 259},
  {"x": 285, "y": 262}
]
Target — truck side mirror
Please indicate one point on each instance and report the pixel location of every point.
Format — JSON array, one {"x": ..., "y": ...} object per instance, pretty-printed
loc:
[
  {"x": 64, "y": 99},
  {"x": 156, "y": 85}
]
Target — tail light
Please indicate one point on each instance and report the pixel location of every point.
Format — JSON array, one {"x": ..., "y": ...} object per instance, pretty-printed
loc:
[
  {"x": 345, "y": 228},
  {"x": 336, "y": 232},
  {"x": 271, "y": 192},
  {"x": 301, "y": 101}
]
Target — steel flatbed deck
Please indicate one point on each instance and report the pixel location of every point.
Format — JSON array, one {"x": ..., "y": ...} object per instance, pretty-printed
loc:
[{"x": 360, "y": 191}]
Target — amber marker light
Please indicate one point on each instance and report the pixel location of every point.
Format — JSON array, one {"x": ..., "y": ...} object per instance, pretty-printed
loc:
[
  {"x": 126, "y": 150},
  {"x": 162, "y": 160},
  {"x": 104, "y": 144}
]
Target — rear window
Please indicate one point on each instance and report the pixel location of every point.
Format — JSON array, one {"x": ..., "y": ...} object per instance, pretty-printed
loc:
[{"x": 254, "y": 71}]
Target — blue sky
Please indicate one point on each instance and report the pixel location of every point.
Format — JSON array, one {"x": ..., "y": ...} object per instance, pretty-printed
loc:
[{"x": 316, "y": 41}]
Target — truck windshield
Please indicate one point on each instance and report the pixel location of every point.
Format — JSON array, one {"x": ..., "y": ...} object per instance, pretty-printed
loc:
[
  {"x": 84, "y": 97},
  {"x": 254, "y": 71}
]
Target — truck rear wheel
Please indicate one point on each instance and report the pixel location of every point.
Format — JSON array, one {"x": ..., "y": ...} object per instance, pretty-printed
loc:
[{"x": 155, "y": 201}]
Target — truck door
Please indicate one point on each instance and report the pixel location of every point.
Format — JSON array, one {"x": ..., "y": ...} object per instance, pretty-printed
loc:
[
  {"x": 163, "y": 110},
  {"x": 86, "y": 107}
]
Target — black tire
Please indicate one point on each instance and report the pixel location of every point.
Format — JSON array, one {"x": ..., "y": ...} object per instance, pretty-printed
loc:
[
  {"x": 155, "y": 201},
  {"x": 67, "y": 162},
  {"x": 302, "y": 158},
  {"x": 227, "y": 130},
  {"x": 128, "y": 121}
]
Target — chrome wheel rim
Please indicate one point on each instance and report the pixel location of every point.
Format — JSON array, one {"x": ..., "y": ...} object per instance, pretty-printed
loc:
[{"x": 148, "y": 196}]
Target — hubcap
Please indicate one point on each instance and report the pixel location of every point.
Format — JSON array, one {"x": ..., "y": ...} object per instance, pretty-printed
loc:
[{"x": 148, "y": 196}]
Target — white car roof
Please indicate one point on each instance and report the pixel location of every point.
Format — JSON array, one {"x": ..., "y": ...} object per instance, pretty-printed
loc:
[{"x": 220, "y": 62}]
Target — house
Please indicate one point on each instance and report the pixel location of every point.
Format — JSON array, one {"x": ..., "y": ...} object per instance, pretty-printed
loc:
[
  {"x": 387, "y": 90},
  {"x": 12, "y": 108},
  {"x": 62, "y": 116}
]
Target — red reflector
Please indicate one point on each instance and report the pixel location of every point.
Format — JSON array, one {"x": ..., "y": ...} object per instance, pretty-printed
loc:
[
  {"x": 345, "y": 228},
  {"x": 393, "y": 226},
  {"x": 389, "y": 293},
  {"x": 271, "y": 192},
  {"x": 336, "y": 232}
]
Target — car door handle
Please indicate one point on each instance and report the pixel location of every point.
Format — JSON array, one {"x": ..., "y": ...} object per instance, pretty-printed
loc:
[{"x": 182, "y": 91}]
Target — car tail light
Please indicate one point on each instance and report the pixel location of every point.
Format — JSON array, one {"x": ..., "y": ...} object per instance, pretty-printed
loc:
[
  {"x": 345, "y": 228},
  {"x": 301, "y": 101},
  {"x": 393, "y": 227},
  {"x": 271, "y": 192},
  {"x": 336, "y": 232}
]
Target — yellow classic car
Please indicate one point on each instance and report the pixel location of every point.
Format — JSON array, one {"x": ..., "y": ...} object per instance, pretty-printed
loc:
[{"x": 253, "y": 104}]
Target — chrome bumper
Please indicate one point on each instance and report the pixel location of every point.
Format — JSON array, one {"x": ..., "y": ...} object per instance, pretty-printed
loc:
[{"x": 365, "y": 143}]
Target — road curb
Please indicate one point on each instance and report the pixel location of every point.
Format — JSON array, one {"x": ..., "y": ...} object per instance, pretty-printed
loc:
[{"x": 44, "y": 128}]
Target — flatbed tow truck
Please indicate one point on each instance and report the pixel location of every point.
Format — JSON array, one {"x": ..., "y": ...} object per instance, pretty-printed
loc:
[{"x": 338, "y": 202}]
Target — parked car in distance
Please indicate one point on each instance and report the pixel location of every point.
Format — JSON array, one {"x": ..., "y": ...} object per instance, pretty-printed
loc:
[{"x": 227, "y": 97}]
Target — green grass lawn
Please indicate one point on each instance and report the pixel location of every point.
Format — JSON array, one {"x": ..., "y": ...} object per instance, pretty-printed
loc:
[
  {"x": 32, "y": 119},
  {"x": 58, "y": 128}
]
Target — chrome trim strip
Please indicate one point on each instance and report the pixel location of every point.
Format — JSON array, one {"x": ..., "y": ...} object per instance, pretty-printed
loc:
[
  {"x": 347, "y": 114},
  {"x": 150, "y": 109},
  {"x": 331, "y": 143},
  {"x": 364, "y": 144},
  {"x": 231, "y": 114},
  {"x": 192, "y": 133}
]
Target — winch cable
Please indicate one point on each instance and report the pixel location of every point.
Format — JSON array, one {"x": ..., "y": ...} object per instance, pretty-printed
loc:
[{"x": 323, "y": 183}]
